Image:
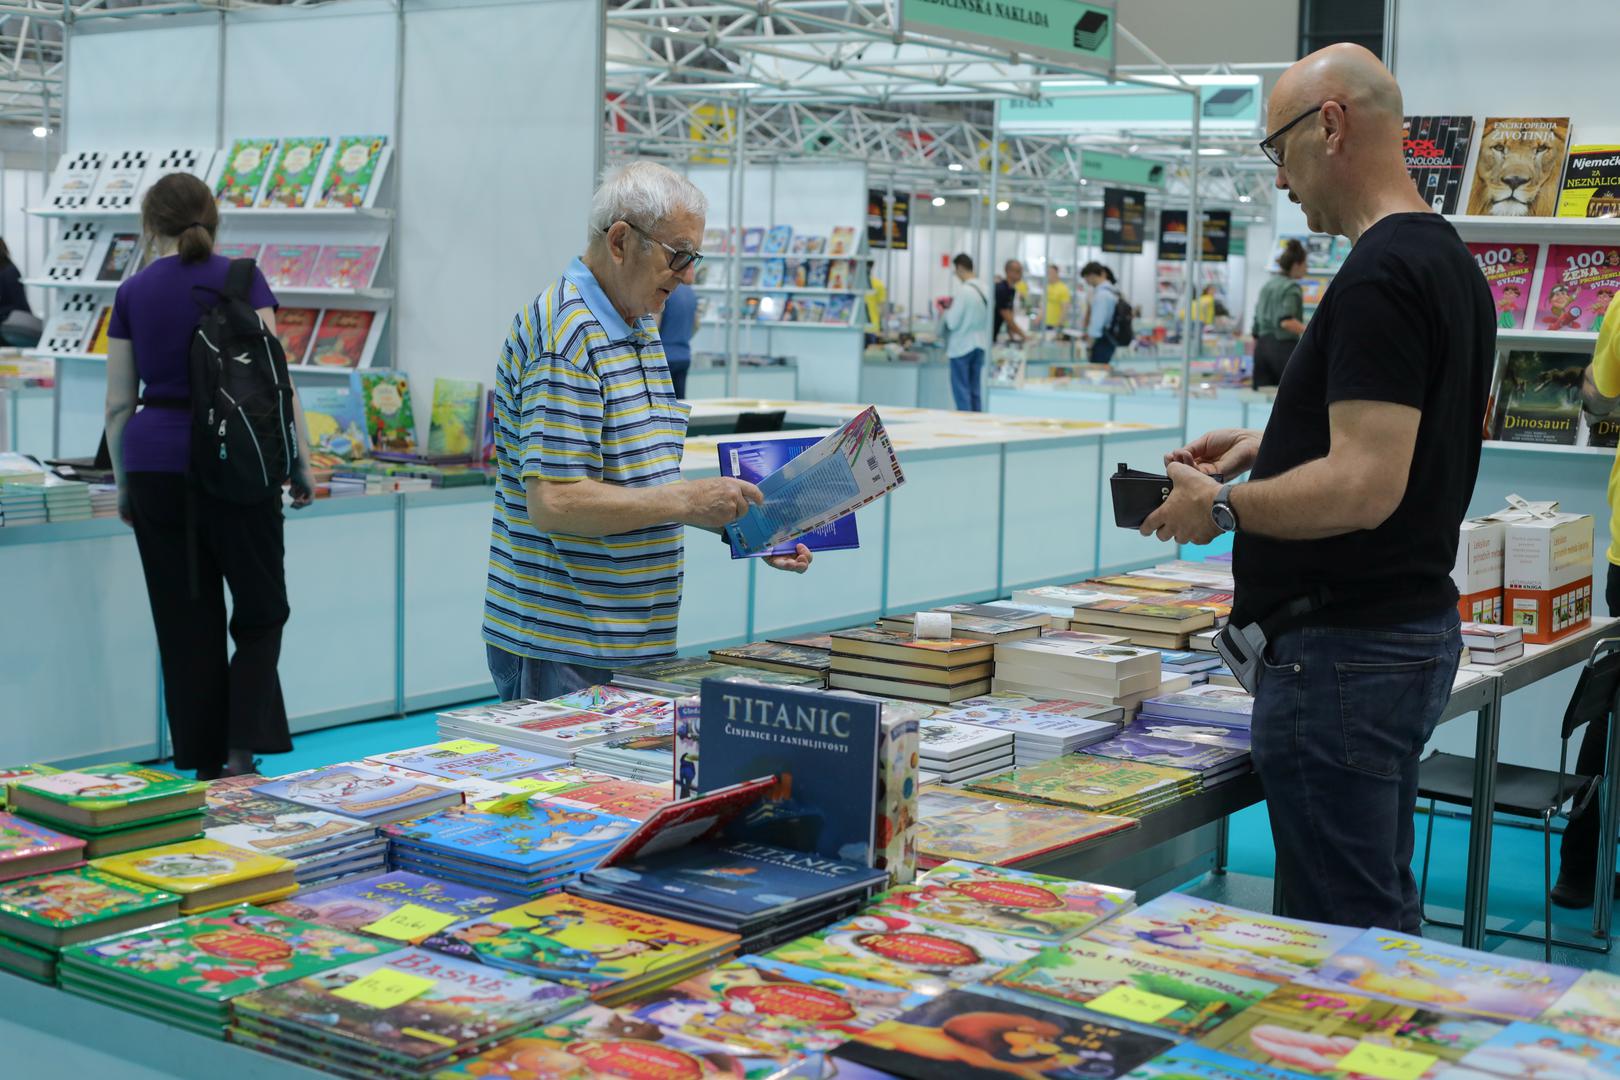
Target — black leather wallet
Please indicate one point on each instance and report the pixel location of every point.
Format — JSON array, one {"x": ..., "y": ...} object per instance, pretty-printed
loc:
[{"x": 1137, "y": 494}]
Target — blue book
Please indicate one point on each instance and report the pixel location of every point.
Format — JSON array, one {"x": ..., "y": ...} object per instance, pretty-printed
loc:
[
  {"x": 525, "y": 842},
  {"x": 354, "y": 905},
  {"x": 754, "y": 461},
  {"x": 361, "y": 792},
  {"x": 1190, "y": 1061},
  {"x": 739, "y": 878},
  {"x": 823, "y": 748}
]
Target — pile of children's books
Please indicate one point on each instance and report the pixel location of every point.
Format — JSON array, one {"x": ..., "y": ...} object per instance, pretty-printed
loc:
[
  {"x": 541, "y": 726},
  {"x": 1041, "y": 730},
  {"x": 364, "y": 791},
  {"x": 468, "y": 759},
  {"x": 683, "y": 675},
  {"x": 43, "y": 913},
  {"x": 646, "y": 756},
  {"x": 1217, "y": 754},
  {"x": 1087, "y": 667},
  {"x": 207, "y": 874},
  {"x": 114, "y": 808},
  {"x": 27, "y": 848},
  {"x": 324, "y": 847},
  {"x": 1222, "y": 706},
  {"x": 957, "y": 752},
  {"x": 981, "y": 828},
  {"x": 1099, "y": 785}
]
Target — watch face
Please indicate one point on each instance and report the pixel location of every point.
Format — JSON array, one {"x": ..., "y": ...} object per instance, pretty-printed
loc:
[{"x": 1223, "y": 517}]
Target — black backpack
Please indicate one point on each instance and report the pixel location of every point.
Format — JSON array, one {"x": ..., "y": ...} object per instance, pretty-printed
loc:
[
  {"x": 1120, "y": 331},
  {"x": 244, "y": 440}
]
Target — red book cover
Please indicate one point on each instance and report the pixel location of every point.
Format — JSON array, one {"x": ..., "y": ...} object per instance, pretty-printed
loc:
[
  {"x": 341, "y": 339},
  {"x": 677, "y": 824},
  {"x": 295, "y": 326},
  {"x": 288, "y": 266}
]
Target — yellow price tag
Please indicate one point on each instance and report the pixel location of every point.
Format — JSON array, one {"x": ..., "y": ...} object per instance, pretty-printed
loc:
[
  {"x": 508, "y": 805},
  {"x": 412, "y": 922},
  {"x": 385, "y": 988},
  {"x": 1129, "y": 1003},
  {"x": 1385, "y": 1062},
  {"x": 465, "y": 746}
]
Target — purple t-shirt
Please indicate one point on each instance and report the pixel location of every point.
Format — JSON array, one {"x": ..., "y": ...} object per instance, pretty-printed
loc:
[{"x": 156, "y": 312}]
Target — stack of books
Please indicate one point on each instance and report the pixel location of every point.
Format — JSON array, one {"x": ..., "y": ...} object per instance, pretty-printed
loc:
[
  {"x": 646, "y": 756},
  {"x": 364, "y": 792},
  {"x": 186, "y": 972},
  {"x": 468, "y": 759},
  {"x": 613, "y": 953},
  {"x": 11, "y": 774},
  {"x": 1184, "y": 662},
  {"x": 103, "y": 500},
  {"x": 778, "y": 656},
  {"x": 895, "y": 665},
  {"x": 1099, "y": 785},
  {"x": 1075, "y": 666},
  {"x": 28, "y": 848},
  {"x": 18, "y": 468},
  {"x": 1048, "y": 909},
  {"x": 473, "y": 789},
  {"x": 1491, "y": 645},
  {"x": 22, "y": 504},
  {"x": 114, "y": 808},
  {"x": 583, "y": 789},
  {"x": 1156, "y": 620},
  {"x": 1041, "y": 730},
  {"x": 408, "y": 1014},
  {"x": 323, "y": 847},
  {"x": 206, "y": 873},
  {"x": 1216, "y": 754},
  {"x": 621, "y": 702},
  {"x": 957, "y": 752},
  {"x": 953, "y": 824},
  {"x": 1222, "y": 705},
  {"x": 399, "y": 906},
  {"x": 540, "y": 726},
  {"x": 66, "y": 500},
  {"x": 43, "y": 914},
  {"x": 974, "y": 625},
  {"x": 683, "y": 675},
  {"x": 531, "y": 849}
]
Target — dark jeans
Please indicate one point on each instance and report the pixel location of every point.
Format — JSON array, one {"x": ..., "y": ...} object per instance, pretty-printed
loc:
[
  {"x": 1271, "y": 356},
  {"x": 215, "y": 703},
  {"x": 1102, "y": 350},
  {"x": 526, "y": 678},
  {"x": 1340, "y": 719},
  {"x": 1577, "y": 853},
  {"x": 967, "y": 381},
  {"x": 677, "y": 375}
]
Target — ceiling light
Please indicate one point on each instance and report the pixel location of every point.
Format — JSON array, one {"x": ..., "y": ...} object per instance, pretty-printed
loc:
[
  {"x": 1062, "y": 211},
  {"x": 1134, "y": 148},
  {"x": 939, "y": 200},
  {"x": 1244, "y": 198},
  {"x": 1210, "y": 151},
  {"x": 40, "y": 131},
  {"x": 1083, "y": 181},
  {"x": 955, "y": 166},
  {"x": 1003, "y": 205}
]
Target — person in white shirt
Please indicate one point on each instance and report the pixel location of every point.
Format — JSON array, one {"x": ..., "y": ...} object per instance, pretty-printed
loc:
[
  {"x": 967, "y": 329},
  {"x": 1104, "y": 296}
]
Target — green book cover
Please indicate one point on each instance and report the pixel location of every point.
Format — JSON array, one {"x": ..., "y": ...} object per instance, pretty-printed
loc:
[
  {"x": 294, "y": 173},
  {"x": 70, "y": 898},
  {"x": 390, "y": 420},
  {"x": 1083, "y": 781},
  {"x": 217, "y": 956},
  {"x": 244, "y": 171},
  {"x": 354, "y": 165},
  {"x": 11, "y": 774},
  {"x": 107, "y": 787},
  {"x": 458, "y": 405}
]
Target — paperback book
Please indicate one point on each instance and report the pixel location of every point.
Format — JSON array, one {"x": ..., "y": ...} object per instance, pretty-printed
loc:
[
  {"x": 1535, "y": 1050},
  {"x": 756, "y": 460},
  {"x": 1539, "y": 397},
  {"x": 1436, "y": 151},
  {"x": 1016, "y": 902},
  {"x": 453, "y": 424},
  {"x": 246, "y": 164},
  {"x": 1577, "y": 286},
  {"x": 1205, "y": 704},
  {"x": 354, "y": 167},
  {"x": 386, "y": 398},
  {"x": 333, "y": 416},
  {"x": 346, "y": 266},
  {"x": 1508, "y": 269},
  {"x": 118, "y": 259},
  {"x": 463, "y": 758},
  {"x": 1591, "y": 183},
  {"x": 1590, "y": 1008},
  {"x": 292, "y": 177},
  {"x": 295, "y": 329},
  {"x": 340, "y": 341},
  {"x": 907, "y": 952},
  {"x": 1100, "y": 785},
  {"x": 289, "y": 266}
]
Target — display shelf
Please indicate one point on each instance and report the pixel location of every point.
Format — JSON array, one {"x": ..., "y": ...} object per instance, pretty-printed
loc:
[
  {"x": 227, "y": 212},
  {"x": 1579, "y": 340},
  {"x": 41, "y": 354},
  {"x": 746, "y": 323},
  {"x": 1555, "y": 229},
  {"x": 318, "y": 293},
  {"x": 326, "y": 369},
  {"x": 755, "y": 290},
  {"x": 1548, "y": 448},
  {"x": 801, "y": 258}
]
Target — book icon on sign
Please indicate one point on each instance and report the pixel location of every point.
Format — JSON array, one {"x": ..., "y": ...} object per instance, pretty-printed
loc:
[{"x": 1090, "y": 30}]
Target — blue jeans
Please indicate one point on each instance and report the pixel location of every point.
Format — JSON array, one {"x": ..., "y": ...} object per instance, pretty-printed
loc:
[
  {"x": 966, "y": 371},
  {"x": 1102, "y": 350},
  {"x": 525, "y": 677},
  {"x": 1340, "y": 719},
  {"x": 677, "y": 375}
]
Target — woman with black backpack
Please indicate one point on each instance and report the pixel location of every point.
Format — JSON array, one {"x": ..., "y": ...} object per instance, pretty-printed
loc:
[
  {"x": 196, "y": 534},
  {"x": 1105, "y": 300}
]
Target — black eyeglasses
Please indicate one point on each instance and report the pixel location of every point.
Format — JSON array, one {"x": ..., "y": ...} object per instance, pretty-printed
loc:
[
  {"x": 1269, "y": 146},
  {"x": 679, "y": 260}
]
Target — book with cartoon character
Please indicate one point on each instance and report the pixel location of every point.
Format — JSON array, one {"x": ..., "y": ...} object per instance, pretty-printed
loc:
[
  {"x": 104, "y": 796},
  {"x": 355, "y": 905},
  {"x": 954, "y": 824},
  {"x": 1536, "y": 1050},
  {"x": 293, "y": 176},
  {"x": 361, "y": 792},
  {"x": 1590, "y": 1008},
  {"x": 27, "y": 847},
  {"x": 354, "y": 168},
  {"x": 1577, "y": 287},
  {"x": 246, "y": 165},
  {"x": 56, "y": 909},
  {"x": 465, "y": 758},
  {"x": 1015, "y": 902},
  {"x": 246, "y": 819},
  {"x": 533, "y": 838},
  {"x": 1189, "y": 1061},
  {"x": 1508, "y": 269},
  {"x": 908, "y": 952},
  {"x": 206, "y": 873}
]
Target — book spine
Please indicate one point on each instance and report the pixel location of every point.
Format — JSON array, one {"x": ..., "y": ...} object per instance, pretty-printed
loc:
[{"x": 899, "y": 746}]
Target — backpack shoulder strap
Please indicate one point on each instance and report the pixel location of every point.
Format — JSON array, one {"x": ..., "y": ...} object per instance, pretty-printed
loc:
[{"x": 239, "y": 280}]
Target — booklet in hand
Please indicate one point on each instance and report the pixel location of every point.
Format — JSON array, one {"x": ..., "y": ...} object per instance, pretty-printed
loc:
[{"x": 757, "y": 459}]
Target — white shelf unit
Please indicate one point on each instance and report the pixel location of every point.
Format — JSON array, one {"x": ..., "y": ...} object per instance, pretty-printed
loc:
[
  {"x": 227, "y": 213},
  {"x": 280, "y": 291},
  {"x": 1573, "y": 340},
  {"x": 866, "y": 258},
  {"x": 1533, "y": 229},
  {"x": 756, "y": 290},
  {"x": 1548, "y": 448},
  {"x": 769, "y": 324}
]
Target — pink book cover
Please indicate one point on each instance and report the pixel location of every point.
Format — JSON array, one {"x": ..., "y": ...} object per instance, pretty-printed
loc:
[
  {"x": 346, "y": 267},
  {"x": 1507, "y": 269},
  {"x": 23, "y": 843},
  {"x": 289, "y": 266},
  {"x": 238, "y": 251},
  {"x": 1577, "y": 286}
]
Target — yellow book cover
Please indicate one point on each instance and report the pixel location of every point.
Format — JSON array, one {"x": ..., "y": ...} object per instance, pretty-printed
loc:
[
  {"x": 96, "y": 343},
  {"x": 1090, "y": 783},
  {"x": 192, "y": 866}
]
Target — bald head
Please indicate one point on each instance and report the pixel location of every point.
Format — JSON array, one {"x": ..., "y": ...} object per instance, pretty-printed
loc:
[{"x": 1346, "y": 73}]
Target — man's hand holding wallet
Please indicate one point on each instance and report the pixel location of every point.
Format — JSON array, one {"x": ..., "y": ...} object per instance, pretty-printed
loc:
[{"x": 1187, "y": 503}]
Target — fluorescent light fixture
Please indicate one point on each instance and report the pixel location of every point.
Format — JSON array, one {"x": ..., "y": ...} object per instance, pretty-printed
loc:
[
  {"x": 939, "y": 200},
  {"x": 1062, "y": 211},
  {"x": 1003, "y": 205},
  {"x": 1244, "y": 198},
  {"x": 1211, "y": 151},
  {"x": 1134, "y": 148},
  {"x": 40, "y": 131},
  {"x": 955, "y": 166},
  {"x": 733, "y": 86},
  {"x": 1084, "y": 181}
]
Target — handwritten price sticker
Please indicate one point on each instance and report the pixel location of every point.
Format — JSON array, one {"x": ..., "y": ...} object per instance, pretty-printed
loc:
[
  {"x": 385, "y": 988},
  {"x": 513, "y": 805},
  {"x": 527, "y": 783},
  {"x": 1386, "y": 1062},
  {"x": 412, "y": 922},
  {"x": 1129, "y": 1003},
  {"x": 465, "y": 746}
]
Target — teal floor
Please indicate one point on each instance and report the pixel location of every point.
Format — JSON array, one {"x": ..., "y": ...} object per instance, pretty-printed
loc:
[{"x": 1516, "y": 890}]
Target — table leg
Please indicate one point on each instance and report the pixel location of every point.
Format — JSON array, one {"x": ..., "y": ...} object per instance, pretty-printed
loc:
[
  {"x": 1223, "y": 829},
  {"x": 1487, "y": 731},
  {"x": 1608, "y": 829}
]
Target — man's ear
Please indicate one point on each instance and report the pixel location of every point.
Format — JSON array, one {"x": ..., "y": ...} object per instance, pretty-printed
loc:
[
  {"x": 617, "y": 236},
  {"x": 1332, "y": 120}
]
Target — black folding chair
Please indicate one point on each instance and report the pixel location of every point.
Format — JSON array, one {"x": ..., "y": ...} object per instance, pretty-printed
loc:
[{"x": 1531, "y": 793}]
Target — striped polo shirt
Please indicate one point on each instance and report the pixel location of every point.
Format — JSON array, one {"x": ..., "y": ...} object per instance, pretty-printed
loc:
[{"x": 581, "y": 394}]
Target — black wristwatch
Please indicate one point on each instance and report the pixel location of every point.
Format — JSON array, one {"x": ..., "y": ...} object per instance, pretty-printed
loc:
[{"x": 1221, "y": 512}]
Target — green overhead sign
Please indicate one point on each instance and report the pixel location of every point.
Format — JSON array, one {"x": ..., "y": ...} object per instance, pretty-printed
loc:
[
  {"x": 1119, "y": 169},
  {"x": 1228, "y": 105},
  {"x": 1078, "y": 35}
]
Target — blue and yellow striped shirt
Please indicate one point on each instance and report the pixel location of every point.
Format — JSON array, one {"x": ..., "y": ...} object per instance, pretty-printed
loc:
[{"x": 582, "y": 394}]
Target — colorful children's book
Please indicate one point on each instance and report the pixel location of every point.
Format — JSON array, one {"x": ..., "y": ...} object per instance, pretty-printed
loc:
[
  {"x": 1577, "y": 287},
  {"x": 536, "y": 835},
  {"x": 1016, "y": 902},
  {"x": 1538, "y": 397},
  {"x": 340, "y": 340},
  {"x": 242, "y": 251},
  {"x": 354, "y": 168},
  {"x": 1101, "y": 785},
  {"x": 56, "y": 909},
  {"x": 465, "y": 758},
  {"x": 840, "y": 274},
  {"x": 778, "y": 240},
  {"x": 752, "y": 240},
  {"x": 346, "y": 266},
  {"x": 583, "y": 943},
  {"x": 206, "y": 873},
  {"x": 292, "y": 177},
  {"x": 1590, "y": 1008},
  {"x": 1189, "y": 1061},
  {"x": 954, "y": 824},
  {"x": 11, "y": 774},
  {"x": 276, "y": 827},
  {"x": 1418, "y": 971},
  {"x": 336, "y": 423},
  {"x": 907, "y": 952},
  {"x": 967, "y": 1035},
  {"x": 1529, "y": 151},
  {"x": 453, "y": 424},
  {"x": 356, "y": 905},
  {"x": 771, "y": 277},
  {"x": 843, "y": 241},
  {"x": 1225, "y": 938},
  {"x": 103, "y": 796},
  {"x": 583, "y": 789},
  {"x": 1085, "y": 974},
  {"x": 295, "y": 328},
  {"x": 119, "y": 258},
  {"x": 840, "y": 309},
  {"x": 289, "y": 266},
  {"x": 362, "y": 792},
  {"x": 620, "y": 701},
  {"x": 386, "y": 398},
  {"x": 1508, "y": 269},
  {"x": 1535, "y": 1050},
  {"x": 1301, "y": 1027},
  {"x": 246, "y": 166},
  {"x": 818, "y": 274}
]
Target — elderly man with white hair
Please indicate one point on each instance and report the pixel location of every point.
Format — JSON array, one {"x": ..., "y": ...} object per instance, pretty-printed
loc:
[{"x": 586, "y": 550}]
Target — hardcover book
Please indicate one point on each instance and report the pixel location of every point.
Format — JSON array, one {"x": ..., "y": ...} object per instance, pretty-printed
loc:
[
  {"x": 276, "y": 827},
  {"x": 199, "y": 869},
  {"x": 960, "y": 825},
  {"x": 1527, "y": 150},
  {"x": 754, "y": 461},
  {"x": 332, "y": 414},
  {"x": 1417, "y": 971},
  {"x": 537, "y": 835},
  {"x": 1080, "y": 972},
  {"x": 58, "y": 908},
  {"x": 354, "y": 167},
  {"x": 1508, "y": 269},
  {"x": 1590, "y": 1008},
  {"x": 1210, "y": 704},
  {"x": 1577, "y": 286},
  {"x": 101, "y": 796},
  {"x": 1534, "y": 1050},
  {"x": 246, "y": 165},
  {"x": 1539, "y": 397},
  {"x": 292, "y": 177},
  {"x": 386, "y": 398},
  {"x": 289, "y": 266},
  {"x": 1591, "y": 183},
  {"x": 968, "y": 1035},
  {"x": 241, "y": 251},
  {"x": 453, "y": 423},
  {"x": 295, "y": 328},
  {"x": 455, "y": 761},
  {"x": 349, "y": 266},
  {"x": 1096, "y": 784},
  {"x": 340, "y": 341},
  {"x": 1015, "y": 902},
  {"x": 772, "y": 656},
  {"x": 74, "y": 179},
  {"x": 680, "y": 824},
  {"x": 908, "y": 952},
  {"x": 823, "y": 750},
  {"x": 586, "y": 790},
  {"x": 361, "y": 792},
  {"x": 70, "y": 256},
  {"x": 30, "y": 848},
  {"x": 355, "y": 905},
  {"x": 1436, "y": 151}
]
